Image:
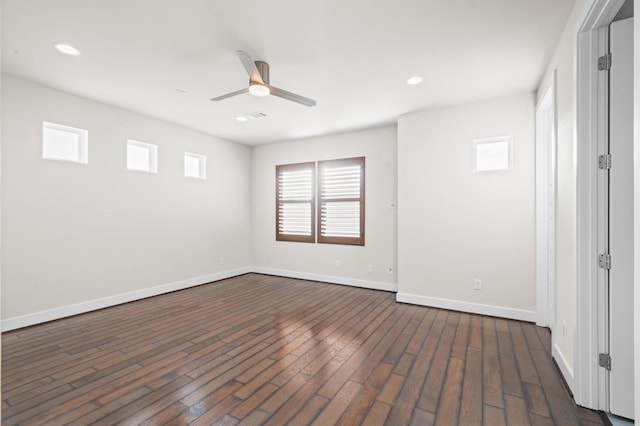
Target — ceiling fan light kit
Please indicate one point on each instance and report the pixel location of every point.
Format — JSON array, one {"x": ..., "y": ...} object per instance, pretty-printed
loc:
[
  {"x": 259, "y": 83},
  {"x": 260, "y": 90}
]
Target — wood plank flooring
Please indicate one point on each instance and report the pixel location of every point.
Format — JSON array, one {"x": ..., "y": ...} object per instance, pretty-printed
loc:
[{"x": 263, "y": 350}]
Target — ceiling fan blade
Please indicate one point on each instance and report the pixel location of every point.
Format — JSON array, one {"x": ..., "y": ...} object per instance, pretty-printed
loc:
[
  {"x": 292, "y": 97},
  {"x": 228, "y": 95},
  {"x": 250, "y": 66}
]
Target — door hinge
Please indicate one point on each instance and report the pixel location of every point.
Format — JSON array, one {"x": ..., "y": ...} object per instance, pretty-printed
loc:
[
  {"x": 604, "y": 361},
  {"x": 604, "y": 62},
  {"x": 604, "y": 162},
  {"x": 604, "y": 261}
]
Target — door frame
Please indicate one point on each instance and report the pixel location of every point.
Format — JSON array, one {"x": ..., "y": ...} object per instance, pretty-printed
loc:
[
  {"x": 592, "y": 42},
  {"x": 546, "y": 137}
]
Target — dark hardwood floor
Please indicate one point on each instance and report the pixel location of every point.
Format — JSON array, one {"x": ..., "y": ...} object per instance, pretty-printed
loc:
[{"x": 267, "y": 350}]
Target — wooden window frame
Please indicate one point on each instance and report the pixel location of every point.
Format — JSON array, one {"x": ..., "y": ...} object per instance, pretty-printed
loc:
[
  {"x": 359, "y": 241},
  {"x": 312, "y": 201},
  {"x": 316, "y": 203}
]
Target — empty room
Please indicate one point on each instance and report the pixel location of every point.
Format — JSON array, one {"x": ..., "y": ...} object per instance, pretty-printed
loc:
[{"x": 382, "y": 212}]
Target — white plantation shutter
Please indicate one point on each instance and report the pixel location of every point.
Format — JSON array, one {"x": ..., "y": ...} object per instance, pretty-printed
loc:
[
  {"x": 295, "y": 202},
  {"x": 341, "y": 201}
]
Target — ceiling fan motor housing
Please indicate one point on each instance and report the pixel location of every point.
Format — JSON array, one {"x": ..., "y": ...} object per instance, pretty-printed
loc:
[{"x": 263, "y": 69}]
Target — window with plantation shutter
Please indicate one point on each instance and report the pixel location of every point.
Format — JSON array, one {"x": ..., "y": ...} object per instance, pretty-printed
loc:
[
  {"x": 341, "y": 201},
  {"x": 295, "y": 202},
  {"x": 331, "y": 212}
]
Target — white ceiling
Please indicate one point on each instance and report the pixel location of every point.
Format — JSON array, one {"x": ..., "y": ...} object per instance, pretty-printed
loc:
[{"x": 352, "y": 56}]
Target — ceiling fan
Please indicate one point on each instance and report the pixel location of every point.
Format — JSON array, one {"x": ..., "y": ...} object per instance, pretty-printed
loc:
[{"x": 259, "y": 82}]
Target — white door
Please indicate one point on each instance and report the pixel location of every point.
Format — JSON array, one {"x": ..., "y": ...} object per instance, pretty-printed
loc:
[{"x": 621, "y": 376}]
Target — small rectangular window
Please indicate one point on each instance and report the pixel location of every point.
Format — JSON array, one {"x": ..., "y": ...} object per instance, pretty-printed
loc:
[
  {"x": 295, "y": 202},
  {"x": 492, "y": 154},
  {"x": 195, "y": 165},
  {"x": 64, "y": 143},
  {"x": 142, "y": 156},
  {"x": 341, "y": 201}
]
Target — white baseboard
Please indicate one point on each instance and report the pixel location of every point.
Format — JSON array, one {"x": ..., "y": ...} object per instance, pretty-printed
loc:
[
  {"x": 92, "y": 305},
  {"x": 567, "y": 372},
  {"x": 474, "y": 308},
  {"x": 374, "y": 285}
]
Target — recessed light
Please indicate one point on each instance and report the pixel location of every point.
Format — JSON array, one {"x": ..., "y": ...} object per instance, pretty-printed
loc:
[
  {"x": 414, "y": 80},
  {"x": 181, "y": 91},
  {"x": 67, "y": 49},
  {"x": 242, "y": 118}
]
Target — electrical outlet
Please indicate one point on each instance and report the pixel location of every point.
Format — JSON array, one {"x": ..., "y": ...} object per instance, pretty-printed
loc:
[
  {"x": 390, "y": 271},
  {"x": 564, "y": 328},
  {"x": 477, "y": 284},
  {"x": 221, "y": 260},
  {"x": 369, "y": 268},
  {"x": 338, "y": 264}
]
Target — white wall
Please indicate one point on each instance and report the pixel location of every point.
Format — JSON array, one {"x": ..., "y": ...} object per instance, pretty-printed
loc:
[
  {"x": 456, "y": 225},
  {"x": 74, "y": 234},
  {"x": 0, "y": 208},
  {"x": 317, "y": 261},
  {"x": 636, "y": 182},
  {"x": 636, "y": 188}
]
